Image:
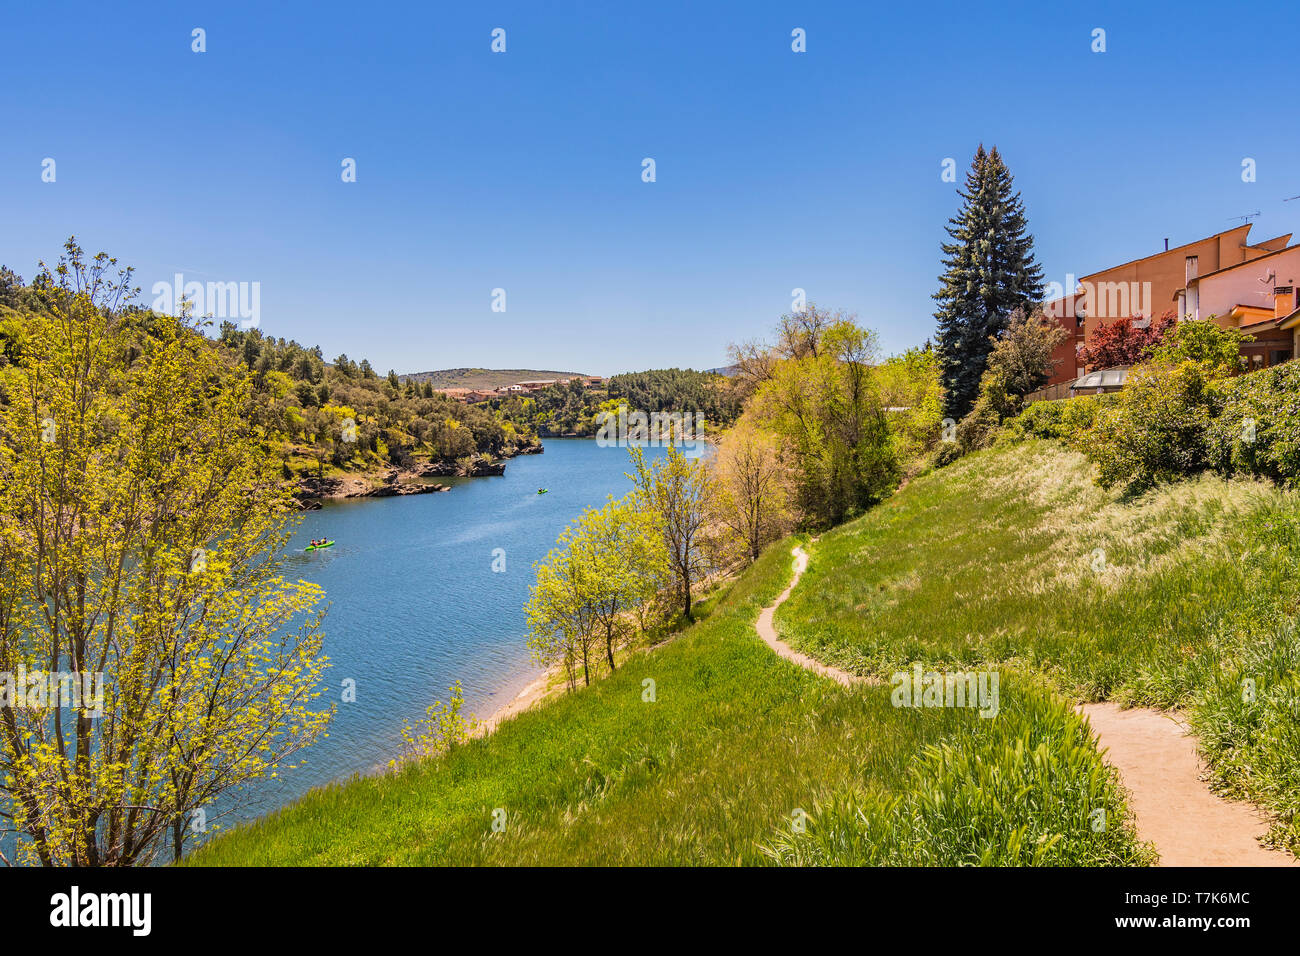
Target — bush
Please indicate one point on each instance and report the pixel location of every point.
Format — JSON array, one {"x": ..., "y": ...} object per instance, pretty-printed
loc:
[
  {"x": 1216, "y": 350},
  {"x": 946, "y": 452},
  {"x": 1258, "y": 432},
  {"x": 1158, "y": 429},
  {"x": 1064, "y": 420}
]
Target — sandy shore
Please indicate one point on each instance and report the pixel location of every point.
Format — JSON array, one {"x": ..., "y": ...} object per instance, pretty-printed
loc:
[{"x": 537, "y": 689}]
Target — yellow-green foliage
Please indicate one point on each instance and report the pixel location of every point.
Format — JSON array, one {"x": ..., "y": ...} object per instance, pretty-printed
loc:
[
  {"x": 140, "y": 531},
  {"x": 913, "y": 398},
  {"x": 604, "y": 568}
]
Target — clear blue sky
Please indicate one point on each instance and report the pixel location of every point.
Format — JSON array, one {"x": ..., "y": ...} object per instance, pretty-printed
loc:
[{"x": 522, "y": 170}]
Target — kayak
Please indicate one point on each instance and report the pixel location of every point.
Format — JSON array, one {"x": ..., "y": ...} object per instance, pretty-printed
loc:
[
  {"x": 317, "y": 547},
  {"x": 542, "y": 491}
]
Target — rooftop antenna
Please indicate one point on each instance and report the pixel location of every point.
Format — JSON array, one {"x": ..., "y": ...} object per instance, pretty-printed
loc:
[
  {"x": 1250, "y": 215},
  {"x": 1289, "y": 198}
]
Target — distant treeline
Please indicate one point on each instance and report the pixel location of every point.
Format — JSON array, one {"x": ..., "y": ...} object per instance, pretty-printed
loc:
[
  {"x": 572, "y": 409},
  {"x": 346, "y": 416},
  {"x": 679, "y": 390}
]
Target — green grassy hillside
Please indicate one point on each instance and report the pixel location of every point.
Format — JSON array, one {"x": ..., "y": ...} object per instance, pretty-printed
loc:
[
  {"x": 736, "y": 747},
  {"x": 1182, "y": 597}
]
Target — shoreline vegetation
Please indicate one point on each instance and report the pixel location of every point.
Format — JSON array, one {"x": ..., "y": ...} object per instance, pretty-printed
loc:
[
  {"x": 1139, "y": 549},
  {"x": 1003, "y": 473}
]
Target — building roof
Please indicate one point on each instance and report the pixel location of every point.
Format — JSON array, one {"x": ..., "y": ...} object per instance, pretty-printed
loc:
[
  {"x": 1237, "y": 265},
  {"x": 1165, "y": 252},
  {"x": 1104, "y": 378},
  {"x": 1290, "y": 320}
]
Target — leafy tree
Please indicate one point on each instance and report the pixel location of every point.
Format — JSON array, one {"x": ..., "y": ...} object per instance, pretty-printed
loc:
[
  {"x": 626, "y": 562},
  {"x": 1124, "y": 343},
  {"x": 752, "y": 498},
  {"x": 678, "y": 390},
  {"x": 1159, "y": 428},
  {"x": 561, "y": 621},
  {"x": 989, "y": 271},
  {"x": 141, "y": 528},
  {"x": 675, "y": 489},
  {"x": 603, "y": 568},
  {"x": 1216, "y": 350},
  {"x": 1022, "y": 354},
  {"x": 11, "y": 288},
  {"x": 820, "y": 395},
  {"x": 913, "y": 400}
]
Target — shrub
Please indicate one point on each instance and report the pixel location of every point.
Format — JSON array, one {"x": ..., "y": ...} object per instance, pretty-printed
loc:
[
  {"x": 995, "y": 404},
  {"x": 1258, "y": 432},
  {"x": 1123, "y": 343},
  {"x": 946, "y": 452},
  {"x": 1065, "y": 420},
  {"x": 1217, "y": 350},
  {"x": 1158, "y": 429}
]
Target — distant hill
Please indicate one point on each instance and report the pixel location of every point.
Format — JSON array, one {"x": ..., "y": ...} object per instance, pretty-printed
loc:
[{"x": 484, "y": 378}]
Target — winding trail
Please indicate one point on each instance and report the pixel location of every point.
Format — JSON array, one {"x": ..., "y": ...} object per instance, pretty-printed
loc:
[
  {"x": 1156, "y": 758},
  {"x": 1189, "y": 824},
  {"x": 767, "y": 631}
]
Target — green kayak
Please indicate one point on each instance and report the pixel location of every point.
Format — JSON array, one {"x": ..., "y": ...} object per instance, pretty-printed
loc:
[
  {"x": 317, "y": 547},
  {"x": 542, "y": 491}
]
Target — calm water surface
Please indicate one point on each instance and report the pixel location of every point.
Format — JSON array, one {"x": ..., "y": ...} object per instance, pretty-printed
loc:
[{"x": 414, "y": 603}]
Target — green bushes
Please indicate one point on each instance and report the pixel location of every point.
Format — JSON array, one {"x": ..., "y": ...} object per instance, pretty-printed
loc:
[
  {"x": 1036, "y": 757},
  {"x": 1062, "y": 420},
  {"x": 1171, "y": 422},
  {"x": 1159, "y": 430},
  {"x": 1258, "y": 431}
]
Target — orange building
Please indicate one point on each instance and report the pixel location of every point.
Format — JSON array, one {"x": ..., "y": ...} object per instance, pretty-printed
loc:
[
  {"x": 1258, "y": 297},
  {"x": 1169, "y": 281}
]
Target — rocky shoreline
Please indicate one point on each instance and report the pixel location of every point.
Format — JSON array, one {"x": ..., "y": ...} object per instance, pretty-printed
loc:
[{"x": 399, "y": 482}]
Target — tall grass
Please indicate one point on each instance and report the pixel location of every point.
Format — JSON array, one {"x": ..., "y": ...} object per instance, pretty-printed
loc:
[
  {"x": 1014, "y": 557},
  {"x": 736, "y": 745},
  {"x": 1025, "y": 789}
]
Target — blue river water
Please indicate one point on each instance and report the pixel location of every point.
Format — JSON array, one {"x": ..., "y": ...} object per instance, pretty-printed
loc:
[{"x": 414, "y": 603}]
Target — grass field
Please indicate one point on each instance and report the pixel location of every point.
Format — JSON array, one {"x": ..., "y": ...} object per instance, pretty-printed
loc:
[
  {"x": 738, "y": 748},
  {"x": 1183, "y": 597}
]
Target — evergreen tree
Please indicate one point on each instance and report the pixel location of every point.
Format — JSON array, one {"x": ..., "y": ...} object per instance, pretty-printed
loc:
[{"x": 989, "y": 271}]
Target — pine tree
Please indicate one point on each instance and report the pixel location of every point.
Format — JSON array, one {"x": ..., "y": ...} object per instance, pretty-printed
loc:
[{"x": 989, "y": 271}]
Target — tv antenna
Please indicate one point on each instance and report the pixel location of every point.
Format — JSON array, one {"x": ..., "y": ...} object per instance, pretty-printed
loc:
[
  {"x": 1250, "y": 215},
  {"x": 1289, "y": 198}
]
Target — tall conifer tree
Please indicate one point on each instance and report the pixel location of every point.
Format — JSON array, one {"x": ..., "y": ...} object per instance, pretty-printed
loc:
[{"x": 989, "y": 271}]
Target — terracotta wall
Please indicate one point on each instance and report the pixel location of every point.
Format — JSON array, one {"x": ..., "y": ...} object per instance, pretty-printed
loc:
[{"x": 1149, "y": 287}]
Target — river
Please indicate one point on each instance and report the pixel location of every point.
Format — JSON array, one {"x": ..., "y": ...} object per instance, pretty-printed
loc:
[{"x": 414, "y": 603}]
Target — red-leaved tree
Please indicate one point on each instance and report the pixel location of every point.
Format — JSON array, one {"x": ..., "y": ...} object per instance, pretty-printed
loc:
[{"x": 1123, "y": 343}]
